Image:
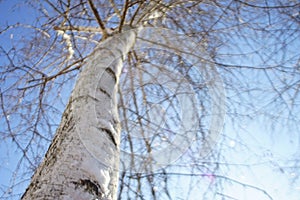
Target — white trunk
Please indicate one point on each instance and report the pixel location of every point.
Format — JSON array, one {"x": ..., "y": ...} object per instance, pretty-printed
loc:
[{"x": 82, "y": 161}]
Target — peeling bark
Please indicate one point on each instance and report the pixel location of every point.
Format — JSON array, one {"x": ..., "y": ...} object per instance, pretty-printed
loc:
[{"x": 82, "y": 160}]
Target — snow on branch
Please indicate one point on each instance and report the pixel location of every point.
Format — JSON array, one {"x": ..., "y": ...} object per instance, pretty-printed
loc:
[{"x": 68, "y": 41}]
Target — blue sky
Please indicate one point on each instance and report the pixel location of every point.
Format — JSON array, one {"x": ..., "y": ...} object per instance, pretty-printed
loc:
[{"x": 262, "y": 157}]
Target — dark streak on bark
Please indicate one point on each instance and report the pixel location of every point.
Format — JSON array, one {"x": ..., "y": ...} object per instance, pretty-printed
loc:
[
  {"x": 111, "y": 73},
  {"x": 105, "y": 92},
  {"x": 110, "y": 135},
  {"x": 89, "y": 186}
]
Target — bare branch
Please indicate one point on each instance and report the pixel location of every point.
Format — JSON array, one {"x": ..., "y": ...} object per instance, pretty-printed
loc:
[{"x": 98, "y": 18}]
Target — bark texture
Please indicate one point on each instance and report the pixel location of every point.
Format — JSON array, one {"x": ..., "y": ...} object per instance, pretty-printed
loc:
[{"x": 82, "y": 161}]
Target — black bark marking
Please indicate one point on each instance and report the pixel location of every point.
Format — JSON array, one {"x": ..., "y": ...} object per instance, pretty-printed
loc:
[
  {"x": 110, "y": 135},
  {"x": 105, "y": 92},
  {"x": 89, "y": 186},
  {"x": 111, "y": 73}
]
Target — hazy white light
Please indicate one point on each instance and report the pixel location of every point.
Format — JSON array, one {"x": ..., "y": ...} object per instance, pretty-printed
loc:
[{"x": 232, "y": 143}]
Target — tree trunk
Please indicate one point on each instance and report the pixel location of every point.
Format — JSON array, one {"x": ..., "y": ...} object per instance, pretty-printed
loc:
[{"x": 82, "y": 161}]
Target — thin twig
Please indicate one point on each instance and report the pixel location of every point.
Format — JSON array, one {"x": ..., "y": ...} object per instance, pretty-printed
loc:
[
  {"x": 98, "y": 18},
  {"x": 126, "y": 5},
  {"x": 115, "y": 8},
  {"x": 77, "y": 28}
]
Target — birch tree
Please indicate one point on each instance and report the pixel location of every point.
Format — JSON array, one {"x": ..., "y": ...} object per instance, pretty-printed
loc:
[
  {"x": 249, "y": 44},
  {"x": 69, "y": 171}
]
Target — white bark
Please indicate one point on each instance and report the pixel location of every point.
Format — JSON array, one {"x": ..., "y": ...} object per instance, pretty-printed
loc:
[{"x": 82, "y": 161}]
